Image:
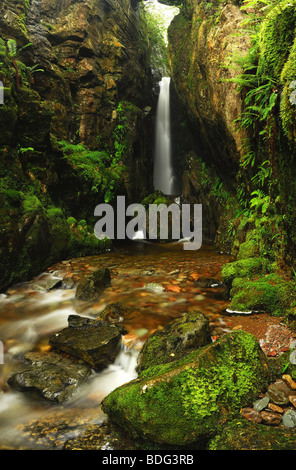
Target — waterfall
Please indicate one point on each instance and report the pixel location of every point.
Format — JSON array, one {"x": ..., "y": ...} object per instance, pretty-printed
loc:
[{"x": 164, "y": 178}]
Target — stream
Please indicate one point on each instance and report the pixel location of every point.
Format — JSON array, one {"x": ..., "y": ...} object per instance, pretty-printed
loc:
[{"x": 157, "y": 282}]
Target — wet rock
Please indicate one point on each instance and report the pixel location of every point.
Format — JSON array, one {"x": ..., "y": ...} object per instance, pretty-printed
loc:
[
  {"x": 154, "y": 286},
  {"x": 251, "y": 415},
  {"x": 292, "y": 399},
  {"x": 53, "y": 283},
  {"x": 187, "y": 333},
  {"x": 184, "y": 401},
  {"x": 288, "y": 379},
  {"x": 91, "y": 287},
  {"x": 262, "y": 403},
  {"x": 94, "y": 341},
  {"x": 68, "y": 283},
  {"x": 50, "y": 376},
  {"x": 279, "y": 393},
  {"x": 289, "y": 419},
  {"x": 275, "y": 408},
  {"x": 114, "y": 313},
  {"x": 273, "y": 419},
  {"x": 208, "y": 283}
]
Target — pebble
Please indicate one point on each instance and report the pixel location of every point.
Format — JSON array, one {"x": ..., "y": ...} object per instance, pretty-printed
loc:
[
  {"x": 292, "y": 399},
  {"x": 288, "y": 379},
  {"x": 251, "y": 415},
  {"x": 289, "y": 419},
  {"x": 271, "y": 418},
  {"x": 155, "y": 287},
  {"x": 275, "y": 408},
  {"x": 279, "y": 392},
  {"x": 260, "y": 404}
]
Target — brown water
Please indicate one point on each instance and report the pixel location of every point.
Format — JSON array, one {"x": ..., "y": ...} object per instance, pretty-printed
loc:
[{"x": 157, "y": 282}]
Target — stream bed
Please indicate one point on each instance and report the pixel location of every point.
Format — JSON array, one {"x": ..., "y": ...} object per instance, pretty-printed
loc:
[{"x": 157, "y": 283}]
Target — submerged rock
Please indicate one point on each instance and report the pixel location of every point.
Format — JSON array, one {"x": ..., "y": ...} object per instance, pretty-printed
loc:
[
  {"x": 114, "y": 313},
  {"x": 53, "y": 283},
  {"x": 91, "y": 287},
  {"x": 94, "y": 341},
  {"x": 185, "y": 401},
  {"x": 50, "y": 376},
  {"x": 190, "y": 332}
]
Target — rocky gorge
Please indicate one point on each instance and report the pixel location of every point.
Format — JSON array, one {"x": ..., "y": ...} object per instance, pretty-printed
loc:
[{"x": 207, "y": 337}]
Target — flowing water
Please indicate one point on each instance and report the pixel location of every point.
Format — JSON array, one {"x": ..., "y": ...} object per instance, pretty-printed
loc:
[
  {"x": 164, "y": 178},
  {"x": 156, "y": 282}
]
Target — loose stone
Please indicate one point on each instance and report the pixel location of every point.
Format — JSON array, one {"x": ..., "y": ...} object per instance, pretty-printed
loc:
[
  {"x": 271, "y": 418},
  {"x": 259, "y": 405},
  {"x": 289, "y": 419},
  {"x": 292, "y": 399},
  {"x": 288, "y": 379},
  {"x": 279, "y": 393},
  {"x": 251, "y": 415},
  {"x": 275, "y": 408}
]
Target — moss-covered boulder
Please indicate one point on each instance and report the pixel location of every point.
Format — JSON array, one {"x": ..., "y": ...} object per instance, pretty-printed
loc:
[
  {"x": 270, "y": 293},
  {"x": 243, "y": 268},
  {"x": 184, "y": 401},
  {"x": 174, "y": 341}
]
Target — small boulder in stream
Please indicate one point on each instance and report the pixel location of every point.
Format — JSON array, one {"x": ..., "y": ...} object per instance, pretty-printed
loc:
[
  {"x": 50, "y": 376},
  {"x": 174, "y": 341},
  {"x": 91, "y": 286},
  {"x": 94, "y": 341}
]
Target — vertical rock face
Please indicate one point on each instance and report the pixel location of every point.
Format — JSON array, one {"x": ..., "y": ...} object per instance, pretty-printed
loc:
[
  {"x": 83, "y": 73},
  {"x": 95, "y": 55},
  {"x": 201, "y": 40}
]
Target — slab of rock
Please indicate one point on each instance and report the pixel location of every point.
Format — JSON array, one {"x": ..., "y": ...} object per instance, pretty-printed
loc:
[
  {"x": 50, "y": 376},
  {"x": 94, "y": 341},
  {"x": 174, "y": 341},
  {"x": 91, "y": 287}
]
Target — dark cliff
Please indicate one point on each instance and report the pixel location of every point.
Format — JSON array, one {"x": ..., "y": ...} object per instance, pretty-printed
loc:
[{"x": 76, "y": 73}]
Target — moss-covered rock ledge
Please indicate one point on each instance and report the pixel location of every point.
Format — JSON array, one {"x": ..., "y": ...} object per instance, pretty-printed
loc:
[{"x": 185, "y": 401}]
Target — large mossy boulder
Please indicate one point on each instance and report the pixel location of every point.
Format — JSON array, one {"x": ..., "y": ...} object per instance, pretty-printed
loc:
[
  {"x": 270, "y": 293},
  {"x": 184, "y": 401},
  {"x": 94, "y": 341},
  {"x": 174, "y": 341}
]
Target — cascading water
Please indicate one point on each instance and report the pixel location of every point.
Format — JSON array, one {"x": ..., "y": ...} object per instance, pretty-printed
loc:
[{"x": 164, "y": 178}]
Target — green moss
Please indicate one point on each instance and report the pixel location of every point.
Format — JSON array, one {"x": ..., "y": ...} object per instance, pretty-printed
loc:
[
  {"x": 248, "y": 249},
  {"x": 180, "y": 402},
  {"x": 244, "y": 268},
  {"x": 241, "y": 434},
  {"x": 270, "y": 293},
  {"x": 276, "y": 38}
]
